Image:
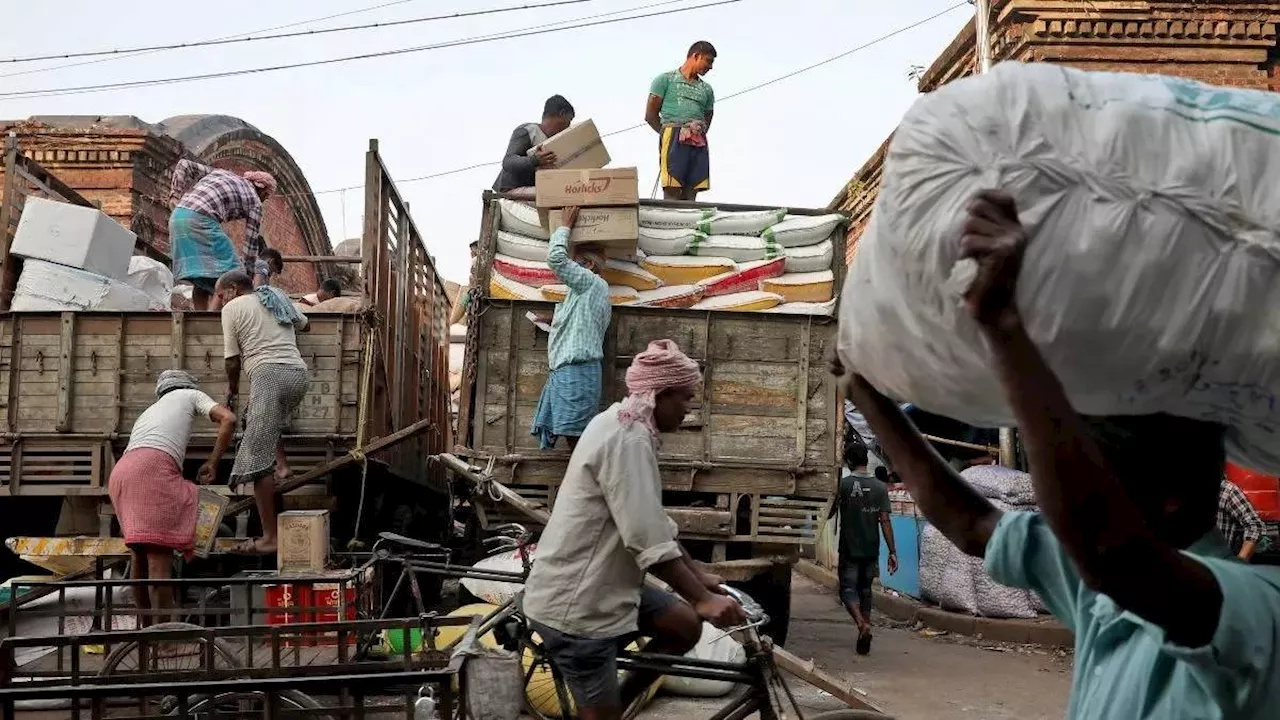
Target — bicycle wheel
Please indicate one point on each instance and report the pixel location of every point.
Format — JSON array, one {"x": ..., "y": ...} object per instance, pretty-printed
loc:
[
  {"x": 249, "y": 705},
  {"x": 171, "y": 656},
  {"x": 850, "y": 715}
]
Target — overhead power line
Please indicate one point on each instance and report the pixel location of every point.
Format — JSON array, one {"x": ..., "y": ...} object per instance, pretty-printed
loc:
[
  {"x": 739, "y": 93},
  {"x": 299, "y": 33},
  {"x": 113, "y": 58},
  {"x": 103, "y": 87}
]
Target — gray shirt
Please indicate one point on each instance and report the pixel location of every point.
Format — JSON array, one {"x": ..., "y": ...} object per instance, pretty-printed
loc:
[
  {"x": 607, "y": 529},
  {"x": 519, "y": 166}
]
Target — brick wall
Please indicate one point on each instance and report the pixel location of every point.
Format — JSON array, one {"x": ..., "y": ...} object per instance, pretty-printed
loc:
[{"x": 1223, "y": 43}]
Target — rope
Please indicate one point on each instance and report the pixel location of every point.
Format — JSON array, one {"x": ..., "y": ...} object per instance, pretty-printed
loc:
[{"x": 362, "y": 417}]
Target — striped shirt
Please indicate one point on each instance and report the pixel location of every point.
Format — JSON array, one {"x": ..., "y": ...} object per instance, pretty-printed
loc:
[
  {"x": 577, "y": 331},
  {"x": 223, "y": 196}
]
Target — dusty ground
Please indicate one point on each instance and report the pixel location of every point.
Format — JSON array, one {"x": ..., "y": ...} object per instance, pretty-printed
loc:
[{"x": 911, "y": 674}]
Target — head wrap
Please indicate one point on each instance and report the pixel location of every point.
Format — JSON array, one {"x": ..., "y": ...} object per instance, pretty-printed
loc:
[
  {"x": 660, "y": 367},
  {"x": 175, "y": 380},
  {"x": 262, "y": 180}
]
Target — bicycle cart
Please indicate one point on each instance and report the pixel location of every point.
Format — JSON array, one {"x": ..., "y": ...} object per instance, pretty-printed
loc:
[{"x": 246, "y": 671}]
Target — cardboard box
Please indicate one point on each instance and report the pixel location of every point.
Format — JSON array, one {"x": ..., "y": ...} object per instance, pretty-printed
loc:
[
  {"x": 210, "y": 507},
  {"x": 578, "y": 146},
  {"x": 587, "y": 188},
  {"x": 75, "y": 236},
  {"x": 304, "y": 540},
  {"x": 615, "y": 225}
]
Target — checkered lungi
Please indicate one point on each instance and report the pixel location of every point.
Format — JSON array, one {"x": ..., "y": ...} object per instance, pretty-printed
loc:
[
  {"x": 155, "y": 504},
  {"x": 275, "y": 393}
]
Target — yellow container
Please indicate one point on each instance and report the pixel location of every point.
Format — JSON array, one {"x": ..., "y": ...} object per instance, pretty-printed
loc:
[{"x": 210, "y": 508}]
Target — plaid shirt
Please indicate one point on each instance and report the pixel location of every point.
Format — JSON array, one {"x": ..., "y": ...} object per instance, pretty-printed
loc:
[
  {"x": 221, "y": 195},
  {"x": 580, "y": 322},
  {"x": 1237, "y": 520}
]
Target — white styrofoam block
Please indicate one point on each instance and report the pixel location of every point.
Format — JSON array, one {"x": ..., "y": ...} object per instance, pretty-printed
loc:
[
  {"x": 45, "y": 286},
  {"x": 74, "y": 236}
]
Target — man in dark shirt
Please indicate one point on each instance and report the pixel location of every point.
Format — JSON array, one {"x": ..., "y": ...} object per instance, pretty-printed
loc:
[
  {"x": 519, "y": 165},
  {"x": 863, "y": 504}
]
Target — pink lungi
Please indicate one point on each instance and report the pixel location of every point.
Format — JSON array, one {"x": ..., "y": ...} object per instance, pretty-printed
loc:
[{"x": 155, "y": 504}]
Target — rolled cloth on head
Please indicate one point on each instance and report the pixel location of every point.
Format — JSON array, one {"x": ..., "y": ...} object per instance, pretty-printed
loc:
[
  {"x": 662, "y": 366},
  {"x": 260, "y": 179},
  {"x": 175, "y": 380}
]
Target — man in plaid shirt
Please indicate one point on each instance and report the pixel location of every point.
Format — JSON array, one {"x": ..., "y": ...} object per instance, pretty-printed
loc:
[
  {"x": 202, "y": 199},
  {"x": 1238, "y": 521}
]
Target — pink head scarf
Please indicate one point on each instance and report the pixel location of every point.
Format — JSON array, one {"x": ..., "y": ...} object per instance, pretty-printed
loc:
[
  {"x": 261, "y": 180},
  {"x": 660, "y": 367}
]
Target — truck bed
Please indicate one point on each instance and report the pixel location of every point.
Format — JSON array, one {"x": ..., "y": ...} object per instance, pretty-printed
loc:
[{"x": 757, "y": 457}]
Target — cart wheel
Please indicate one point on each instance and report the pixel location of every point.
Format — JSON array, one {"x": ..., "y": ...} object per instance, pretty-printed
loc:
[
  {"x": 249, "y": 704},
  {"x": 167, "y": 656}
]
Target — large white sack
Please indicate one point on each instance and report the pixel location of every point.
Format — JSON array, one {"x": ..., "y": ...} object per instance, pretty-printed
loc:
[
  {"x": 153, "y": 278},
  {"x": 715, "y": 645},
  {"x": 946, "y": 573},
  {"x": 496, "y": 592},
  {"x": 1150, "y": 283},
  {"x": 46, "y": 286},
  {"x": 521, "y": 219}
]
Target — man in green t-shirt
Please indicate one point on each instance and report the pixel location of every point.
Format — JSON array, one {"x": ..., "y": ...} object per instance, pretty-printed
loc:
[
  {"x": 679, "y": 110},
  {"x": 863, "y": 504}
]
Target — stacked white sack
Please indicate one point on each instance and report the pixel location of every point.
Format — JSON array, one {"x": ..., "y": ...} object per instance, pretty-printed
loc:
[{"x": 1150, "y": 283}]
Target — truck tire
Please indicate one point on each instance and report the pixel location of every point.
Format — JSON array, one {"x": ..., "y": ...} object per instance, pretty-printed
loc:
[{"x": 772, "y": 589}]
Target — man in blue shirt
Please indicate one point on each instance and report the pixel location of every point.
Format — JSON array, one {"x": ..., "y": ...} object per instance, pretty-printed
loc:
[
  {"x": 1124, "y": 551},
  {"x": 575, "y": 348}
]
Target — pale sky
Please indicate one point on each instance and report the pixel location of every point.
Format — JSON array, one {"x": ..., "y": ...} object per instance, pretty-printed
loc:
[{"x": 793, "y": 143}]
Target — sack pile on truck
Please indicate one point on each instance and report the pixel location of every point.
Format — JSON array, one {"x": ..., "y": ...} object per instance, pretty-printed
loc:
[
  {"x": 702, "y": 258},
  {"x": 1152, "y": 280},
  {"x": 77, "y": 258}
]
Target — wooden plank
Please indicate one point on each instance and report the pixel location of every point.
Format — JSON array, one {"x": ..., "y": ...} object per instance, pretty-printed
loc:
[
  {"x": 66, "y": 355},
  {"x": 808, "y": 671},
  {"x": 701, "y": 521}
]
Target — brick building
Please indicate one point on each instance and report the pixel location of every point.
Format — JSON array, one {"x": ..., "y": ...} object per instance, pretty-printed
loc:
[
  {"x": 125, "y": 164},
  {"x": 1224, "y": 43}
]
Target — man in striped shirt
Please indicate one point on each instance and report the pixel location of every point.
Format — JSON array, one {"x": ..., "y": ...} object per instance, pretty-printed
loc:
[
  {"x": 202, "y": 199},
  {"x": 1238, "y": 521},
  {"x": 571, "y": 396}
]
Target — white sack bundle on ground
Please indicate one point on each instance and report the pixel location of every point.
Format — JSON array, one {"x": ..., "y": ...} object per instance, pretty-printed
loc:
[
  {"x": 959, "y": 582},
  {"x": 1151, "y": 281}
]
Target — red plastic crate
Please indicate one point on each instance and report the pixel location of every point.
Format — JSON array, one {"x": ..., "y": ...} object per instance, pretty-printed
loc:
[{"x": 1262, "y": 490}]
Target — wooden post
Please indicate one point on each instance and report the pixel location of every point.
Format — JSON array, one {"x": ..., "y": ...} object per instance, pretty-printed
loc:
[{"x": 982, "y": 34}]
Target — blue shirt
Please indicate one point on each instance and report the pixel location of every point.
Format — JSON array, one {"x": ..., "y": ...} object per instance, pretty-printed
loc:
[
  {"x": 1125, "y": 668},
  {"x": 577, "y": 331}
]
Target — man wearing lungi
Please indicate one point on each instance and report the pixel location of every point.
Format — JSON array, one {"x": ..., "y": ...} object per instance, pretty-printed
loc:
[
  {"x": 680, "y": 107},
  {"x": 202, "y": 199},
  {"x": 571, "y": 396},
  {"x": 259, "y": 335},
  {"x": 156, "y": 506}
]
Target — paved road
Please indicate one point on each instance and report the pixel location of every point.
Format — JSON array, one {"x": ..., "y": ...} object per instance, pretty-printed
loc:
[{"x": 910, "y": 674}]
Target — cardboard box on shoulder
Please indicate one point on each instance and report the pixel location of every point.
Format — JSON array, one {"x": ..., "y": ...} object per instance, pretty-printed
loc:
[
  {"x": 578, "y": 146},
  {"x": 587, "y": 188},
  {"x": 303, "y": 537}
]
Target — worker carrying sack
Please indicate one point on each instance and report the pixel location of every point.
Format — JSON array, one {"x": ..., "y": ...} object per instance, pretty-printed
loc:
[{"x": 1151, "y": 281}]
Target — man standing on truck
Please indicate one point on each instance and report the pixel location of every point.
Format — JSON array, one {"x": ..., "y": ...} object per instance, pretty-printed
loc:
[
  {"x": 521, "y": 162},
  {"x": 156, "y": 506},
  {"x": 679, "y": 109},
  {"x": 259, "y": 333},
  {"x": 575, "y": 346},
  {"x": 1124, "y": 550},
  {"x": 863, "y": 504},
  {"x": 586, "y": 595},
  {"x": 202, "y": 199}
]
